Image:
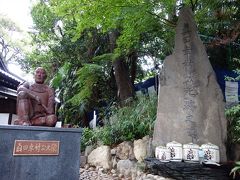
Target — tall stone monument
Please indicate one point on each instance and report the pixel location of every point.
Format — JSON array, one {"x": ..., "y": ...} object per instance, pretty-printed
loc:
[{"x": 190, "y": 103}]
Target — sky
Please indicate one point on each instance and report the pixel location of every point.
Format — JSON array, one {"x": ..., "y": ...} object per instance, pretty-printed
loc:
[{"x": 19, "y": 12}]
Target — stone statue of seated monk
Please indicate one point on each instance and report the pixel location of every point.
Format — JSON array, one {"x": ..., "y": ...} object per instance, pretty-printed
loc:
[{"x": 35, "y": 103}]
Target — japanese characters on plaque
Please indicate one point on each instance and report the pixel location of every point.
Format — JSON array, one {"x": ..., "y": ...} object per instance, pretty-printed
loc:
[
  {"x": 190, "y": 84},
  {"x": 35, "y": 147}
]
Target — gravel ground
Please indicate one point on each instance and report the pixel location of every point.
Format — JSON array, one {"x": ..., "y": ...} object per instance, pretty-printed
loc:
[{"x": 92, "y": 173}]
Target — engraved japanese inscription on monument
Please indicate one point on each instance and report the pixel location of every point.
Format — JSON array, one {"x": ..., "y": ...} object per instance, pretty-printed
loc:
[
  {"x": 35, "y": 147},
  {"x": 190, "y": 84}
]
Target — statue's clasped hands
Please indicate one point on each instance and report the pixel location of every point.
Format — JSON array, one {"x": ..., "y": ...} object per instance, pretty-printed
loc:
[{"x": 37, "y": 98}]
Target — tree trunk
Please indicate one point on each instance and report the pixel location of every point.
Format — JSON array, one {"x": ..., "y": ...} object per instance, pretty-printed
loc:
[
  {"x": 121, "y": 71},
  {"x": 133, "y": 65},
  {"x": 124, "y": 84}
]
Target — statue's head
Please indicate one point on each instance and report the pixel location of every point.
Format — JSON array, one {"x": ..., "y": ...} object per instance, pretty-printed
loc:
[{"x": 40, "y": 75}]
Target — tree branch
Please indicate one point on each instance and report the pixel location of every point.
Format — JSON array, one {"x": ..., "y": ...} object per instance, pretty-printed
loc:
[{"x": 163, "y": 20}]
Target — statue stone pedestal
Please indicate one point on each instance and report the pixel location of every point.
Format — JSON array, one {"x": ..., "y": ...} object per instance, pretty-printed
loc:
[{"x": 37, "y": 153}]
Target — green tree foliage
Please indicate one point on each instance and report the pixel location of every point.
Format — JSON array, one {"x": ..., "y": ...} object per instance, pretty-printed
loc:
[
  {"x": 148, "y": 25},
  {"x": 220, "y": 31},
  {"x": 132, "y": 18},
  {"x": 125, "y": 22}
]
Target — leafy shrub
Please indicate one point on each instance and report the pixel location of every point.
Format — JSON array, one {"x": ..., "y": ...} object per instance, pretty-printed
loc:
[
  {"x": 125, "y": 124},
  {"x": 235, "y": 170},
  {"x": 88, "y": 138},
  {"x": 233, "y": 117}
]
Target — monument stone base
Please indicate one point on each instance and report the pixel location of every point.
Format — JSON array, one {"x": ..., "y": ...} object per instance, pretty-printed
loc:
[
  {"x": 39, "y": 153},
  {"x": 188, "y": 170}
]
